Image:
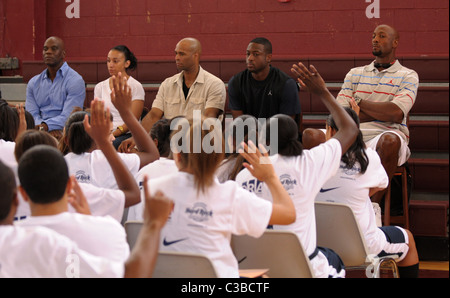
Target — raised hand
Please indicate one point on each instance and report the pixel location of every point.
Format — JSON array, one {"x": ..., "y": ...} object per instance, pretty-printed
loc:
[
  {"x": 258, "y": 162},
  {"x": 309, "y": 79},
  {"x": 77, "y": 198},
  {"x": 99, "y": 127},
  {"x": 121, "y": 93},
  {"x": 22, "y": 120}
]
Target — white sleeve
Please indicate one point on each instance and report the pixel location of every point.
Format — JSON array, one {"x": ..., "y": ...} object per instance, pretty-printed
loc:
[
  {"x": 322, "y": 163},
  {"x": 137, "y": 91},
  {"x": 103, "y": 201},
  {"x": 132, "y": 161},
  {"x": 251, "y": 214}
]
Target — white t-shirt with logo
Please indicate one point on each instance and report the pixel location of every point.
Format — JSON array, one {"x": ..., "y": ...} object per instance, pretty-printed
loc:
[
  {"x": 38, "y": 252},
  {"x": 204, "y": 222},
  {"x": 94, "y": 168},
  {"x": 100, "y": 236},
  {"x": 159, "y": 168},
  {"x": 352, "y": 188},
  {"x": 302, "y": 177}
]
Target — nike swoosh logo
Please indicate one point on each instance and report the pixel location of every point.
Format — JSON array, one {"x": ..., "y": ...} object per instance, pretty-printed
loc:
[
  {"x": 322, "y": 190},
  {"x": 168, "y": 243}
]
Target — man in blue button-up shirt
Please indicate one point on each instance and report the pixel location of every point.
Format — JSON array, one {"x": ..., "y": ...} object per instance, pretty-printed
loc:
[{"x": 53, "y": 94}]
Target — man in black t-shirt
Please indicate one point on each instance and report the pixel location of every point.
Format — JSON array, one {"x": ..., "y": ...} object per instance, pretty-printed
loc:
[{"x": 263, "y": 90}]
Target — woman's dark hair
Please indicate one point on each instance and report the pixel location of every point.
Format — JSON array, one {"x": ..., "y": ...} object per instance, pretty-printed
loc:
[
  {"x": 9, "y": 122},
  {"x": 356, "y": 152},
  {"x": 247, "y": 125},
  {"x": 77, "y": 138},
  {"x": 129, "y": 56},
  {"x": 8, "y": 190},
  {"x": 288, "y": 138},
  {"x": 161, "y": 132}
]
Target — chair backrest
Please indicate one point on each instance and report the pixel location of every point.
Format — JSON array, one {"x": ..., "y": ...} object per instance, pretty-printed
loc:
[
  {"x": 338, "y": 229},
  {"x": 183, "y": 265},
  {"x": 132, "y": 229},
  {"x": 173, "y": 264},
  {"x": 279, "y": 251}
]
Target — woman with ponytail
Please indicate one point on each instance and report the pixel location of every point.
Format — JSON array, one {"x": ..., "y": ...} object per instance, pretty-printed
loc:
[
  {"x": 121, "y": 59},
  {"x": 361, "y": 175}
]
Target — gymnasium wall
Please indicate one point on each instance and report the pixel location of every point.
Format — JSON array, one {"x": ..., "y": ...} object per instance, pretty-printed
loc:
[{"x": 151, "y": 28}]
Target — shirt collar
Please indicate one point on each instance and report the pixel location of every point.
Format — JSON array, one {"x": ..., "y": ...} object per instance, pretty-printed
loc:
[
  {"x": 62, "y": 70},
  {"x": 200, "y": 77},
  {"x": 394, "y": 68}
]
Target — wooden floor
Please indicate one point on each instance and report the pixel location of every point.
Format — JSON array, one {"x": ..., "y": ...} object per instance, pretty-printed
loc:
[{"x": 442, "y": 266}]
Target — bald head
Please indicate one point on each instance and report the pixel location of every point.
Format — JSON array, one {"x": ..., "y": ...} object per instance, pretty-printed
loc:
[
  {"x": 188, "y": 52},
  {"x": 391, "y": 31},
  {"x": 192, "y": 44},
  {"x": 57, "y": 41}
]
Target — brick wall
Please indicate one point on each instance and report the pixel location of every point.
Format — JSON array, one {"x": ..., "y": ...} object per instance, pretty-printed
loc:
[{"x": 151, "y": 28}]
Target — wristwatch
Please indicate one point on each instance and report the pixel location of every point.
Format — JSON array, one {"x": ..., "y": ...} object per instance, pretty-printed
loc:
[
  {"x": 358, "y": 100},
  {"x": 121, "y": 129}
]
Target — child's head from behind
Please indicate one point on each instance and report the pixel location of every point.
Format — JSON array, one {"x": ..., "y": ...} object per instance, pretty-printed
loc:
[
  {"x": 43, "y": 174},
  {"x": 202, "y": 149}
]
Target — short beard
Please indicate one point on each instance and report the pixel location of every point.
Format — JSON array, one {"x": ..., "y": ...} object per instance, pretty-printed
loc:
[{"x": 377, "y": 53}]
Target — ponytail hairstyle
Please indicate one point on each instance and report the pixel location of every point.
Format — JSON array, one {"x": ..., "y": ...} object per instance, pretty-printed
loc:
[
  {"x": 288, "y": 138},
  {"x": 9, "y": 122},
  {"x": 356, "y": 152},
  {"x": 203, "y": 164},
  {"x": 161, "y": 132},
  {"x": 76, "y": 136},
  {"x": 129, "y": 56}
]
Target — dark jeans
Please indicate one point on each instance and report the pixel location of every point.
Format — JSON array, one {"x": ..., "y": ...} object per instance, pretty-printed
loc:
[{"x": 120, "y": 139}]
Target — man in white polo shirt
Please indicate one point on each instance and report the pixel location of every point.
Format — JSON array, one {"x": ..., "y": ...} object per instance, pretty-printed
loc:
[
  {"x": 193, "y": 88},
  {"x": 383, "y": 93}
]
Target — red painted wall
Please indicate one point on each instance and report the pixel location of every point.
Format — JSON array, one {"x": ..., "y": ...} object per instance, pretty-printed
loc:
[{"x": 151, "y": 28}]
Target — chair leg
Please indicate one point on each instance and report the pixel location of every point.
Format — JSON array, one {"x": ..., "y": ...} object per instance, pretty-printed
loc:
[
  {"x": 403, "y": 219},
  {"x": 405, "y": 198},
  {"x": 387, "y": 207},
  {"x": 386, "y": 263}
]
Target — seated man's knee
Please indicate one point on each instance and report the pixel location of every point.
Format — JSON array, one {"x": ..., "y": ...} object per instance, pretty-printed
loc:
[
  {"x": 312, "y": 138},
  {"x": 389, "y": 142}
]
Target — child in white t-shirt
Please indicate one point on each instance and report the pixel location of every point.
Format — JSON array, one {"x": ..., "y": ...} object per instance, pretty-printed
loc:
[
  {"x": 206, "y": 213},
  {"x": 38, "y": 252},
  {"x": 160, "y": 134},
  {"x": 360, "y": 175},
  {"x": 50, "y": 192}
]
